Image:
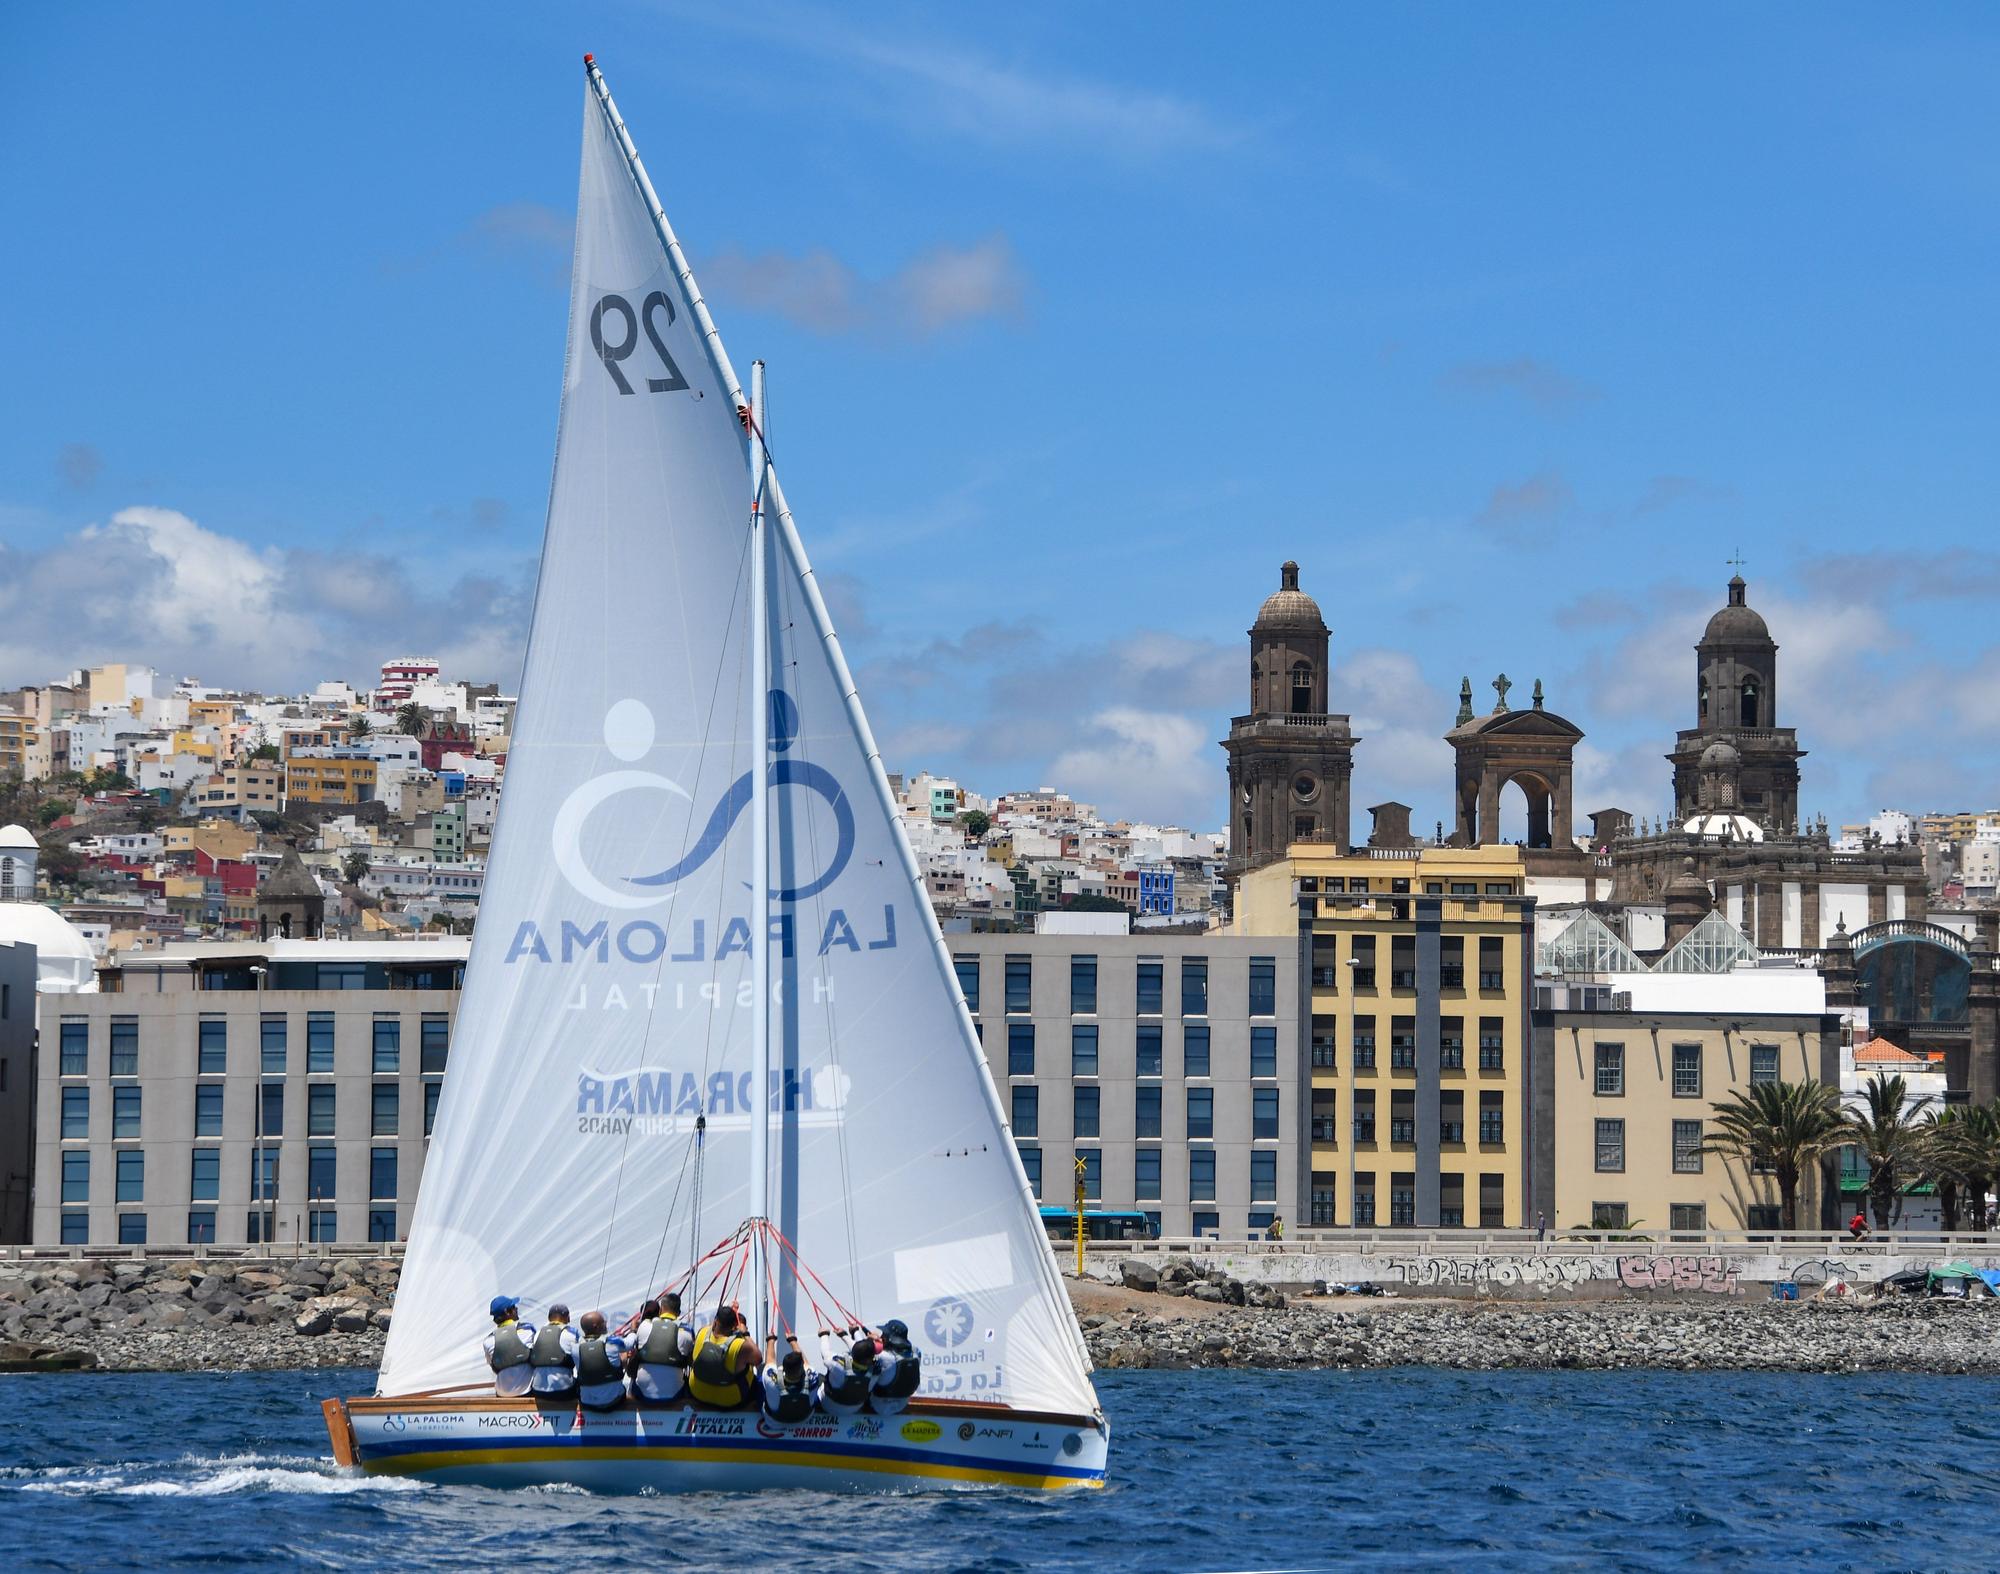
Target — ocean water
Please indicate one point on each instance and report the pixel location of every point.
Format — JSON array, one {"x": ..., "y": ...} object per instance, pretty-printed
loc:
[{"x": 1212, "y": 1470}]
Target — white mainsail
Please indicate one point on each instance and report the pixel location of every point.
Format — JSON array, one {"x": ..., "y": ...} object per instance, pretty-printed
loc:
[{"x": 608, "y": 997}]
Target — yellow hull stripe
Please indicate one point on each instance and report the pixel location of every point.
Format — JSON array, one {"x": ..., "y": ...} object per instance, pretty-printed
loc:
[{"x": 454, "y": 1459}]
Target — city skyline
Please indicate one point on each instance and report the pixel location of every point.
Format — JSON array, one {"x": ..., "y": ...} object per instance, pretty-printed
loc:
[{"x": 1035, "y": 471}]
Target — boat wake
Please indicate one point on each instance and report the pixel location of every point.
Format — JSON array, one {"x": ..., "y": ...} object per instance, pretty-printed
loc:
[{"x": 196, "y": 1475}]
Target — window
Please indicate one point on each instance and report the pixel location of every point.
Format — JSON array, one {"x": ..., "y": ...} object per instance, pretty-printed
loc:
[
  {"x": 201, "y": 1227},
  {"x": 205, "y": 1175},
  {"x": 1083, "y": 985},
  {"x": 1403, "y": 962},
  {"x": 131, "y": 1178},
  {"x": 264, "y": 1175},
  {"x": 1492, "y": 963},
  {"x": 1322, "y": 1205},
  {"x": 1451, "y": 1044},
  {"x": 1451, "y": 962},
  {"x": 1763, "y": 1216},
  {"x": 1201, "y": 1112},
  {"x": 431, "y": 1092},
  {"x": 1264, "y": 1177},
  {"x": 1151, "y": 1061},
  {"x": 1083, "y": 1112},
  {"x": 1492, "y": 1117},
  {"x": 212, "y": 1047},
  {"x": 1364, "y": 1199},
  {"x": 1690, "y": 1216},
  {"x": 1201, "y": 1175},
  {"x": 1146, "y": 1112},
  {"x": 1194, "y": 1050},
  {"x": 319, "y": 1041},
  {"x": 385, "y": 1110},
  {"x": 967, "y": 969},
  {"x": 1206, "y": 1223},
  {"x": 1687, "y": 1147},
  {"x": 1492, "y": 1045},
  {"x": 76, "y": 1177},
  {"x": 1194, "y": 986},
  {"x": 1609, "y": 1216},
  {"x": 388, "y": 1046},
  {"x": 342, "y": 975},
  {"x": 1151, "y": 989},
  {"x": 75, "y": 1114},
  {"x": 1263, "y": 1112},
  {"x": 1402, "y": 1044},
  {"x": 271, "y": 1045},
  {"x": 320, "y": 1172},
  {"x": 1093, "y": 1173},
  {"x": 1402, "y": 1117},
  {"x": 1492, "y": 1202},
  {"x": 1402, "y": 1201},
  {"x": 1146, "y": 1174},
  {"x": 208, "y": 1110},
  {"x": 1031, "y": 1163},
  {"x": 1263, "y": 1052},
  {"x": 433, "y": 1045},
  {"x": 1763, "y": 1063},
  {"x": 1451, "y": 1118},
  {"x": 320, "y": 1109},
  {"x": 124, "y": 1112},
  {"x": 1020, "y": 1049},
  {"x": 1020, "y": 984},
  {"x": 124, "y": 1046},
  {"x": 76, "y": 1228},
  {"x": 1083, "y": 1049},
  {"x": 1364, "y": 959},
  {"x": 1323, "y": 1052},
  {"x": 75, "y": 1049},
  {"x": 1026, "y": 1114},
  {"x": 1263, "y": 986},
  {"x": 271, "y": 1109},
  {"x": 381, "y": 1178},
  {"x": 1364, "y": 1114},
  {"x": 1364, "y": 1043},
  {"x": 1610, "y": 1071},
  {"x": 1687, "y": 1071},
  {"x": 1610, "y": 1146},
  {"x": 381, "y": 1224}
]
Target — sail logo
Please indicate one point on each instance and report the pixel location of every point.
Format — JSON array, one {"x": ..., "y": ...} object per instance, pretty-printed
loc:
[
  {"x": 949, "y": 1323},
  {"x": 628, "y": 735},
  {"x": 654, "y": 1101}
]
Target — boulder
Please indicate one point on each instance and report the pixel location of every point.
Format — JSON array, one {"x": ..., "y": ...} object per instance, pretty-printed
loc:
[
  {"x": 211, "y": 1287},
  {"x": 1208, "y": 1292},
  {"x": 1139, "y": 1276},
  {"x": 352, "y": 1321},
  {"x": 254, "y": 1280},
  {"x": 313, "y": 1322},
  {"x": 379, "y": 1319}
]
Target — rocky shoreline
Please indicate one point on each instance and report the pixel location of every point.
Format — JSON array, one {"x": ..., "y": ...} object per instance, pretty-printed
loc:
[{"x": 242, "y": 1315}]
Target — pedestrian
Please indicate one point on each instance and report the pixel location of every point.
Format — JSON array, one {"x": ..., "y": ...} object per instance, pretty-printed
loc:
[{"x": 1541, "y": 1227}]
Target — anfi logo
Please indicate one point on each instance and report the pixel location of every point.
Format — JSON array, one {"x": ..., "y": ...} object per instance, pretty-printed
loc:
[
  {"x": 628, "y": 734},
  {"x": 949, "y": 1322}
]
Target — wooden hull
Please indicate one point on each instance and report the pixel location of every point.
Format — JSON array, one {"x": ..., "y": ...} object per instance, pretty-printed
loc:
[{"x": 678, "y": 1448}]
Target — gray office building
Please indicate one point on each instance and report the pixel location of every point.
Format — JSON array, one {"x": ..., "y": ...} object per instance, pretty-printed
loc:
[
  {"x": 1174, "y": 1065},
  {"x": 268, "y": 1092},
  {"x": 17, "y": 1092}
]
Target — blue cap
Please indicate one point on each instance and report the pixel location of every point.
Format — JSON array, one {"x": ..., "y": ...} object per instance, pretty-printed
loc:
[{"x": 501, "y": 1303}]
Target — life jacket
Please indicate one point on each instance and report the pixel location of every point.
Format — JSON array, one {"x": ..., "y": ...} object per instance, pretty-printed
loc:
[
  {"x": 509, "y": 1348},
  {"x": 842, "y": 1385},
  {"x": 662, "y": 1345},
  {"x": 594, "y": 1363},
  {"x": 902, "y": 1382},
  {"x": 712, "y": 1374},
  {"x": 793, "y": 1404},
  {"x": 549, "y": 1351}
]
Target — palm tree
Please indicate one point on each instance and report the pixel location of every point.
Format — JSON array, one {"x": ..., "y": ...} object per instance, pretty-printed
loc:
[
  {"x": 1787, "y": 1127},
  {"x": 1891, "y": 1138},
  {"x": 410, "y": 718},
  {"x": 1971, "y": 1150},
  {"x": 1936, "y": 1161},
  {"x": 360, "y": 727}
]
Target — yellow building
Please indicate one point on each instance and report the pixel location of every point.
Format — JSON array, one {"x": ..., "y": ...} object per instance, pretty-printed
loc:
[
  {"x": 222, "y": 839},
  {"x": 1420, "y": 974},
  {"x": 1634, "y": 1095},
  {"x": 326, "y": 779},
  {"x": 20, "y": 751},
  {"x": 242, "y": 788}
]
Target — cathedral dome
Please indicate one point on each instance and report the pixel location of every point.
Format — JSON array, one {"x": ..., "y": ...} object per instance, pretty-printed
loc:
[
  {"x": 1289, "y": 607},
  {"x": 1737, "y": 623}
]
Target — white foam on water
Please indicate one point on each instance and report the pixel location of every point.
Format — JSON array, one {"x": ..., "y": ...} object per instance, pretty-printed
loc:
[
  {"x": 213, "y": 1476},
  {"x": 256, "y": 1478}
]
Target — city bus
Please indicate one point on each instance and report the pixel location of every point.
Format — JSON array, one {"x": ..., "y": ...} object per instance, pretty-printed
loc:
[{"x": 1099, "y": 1224}]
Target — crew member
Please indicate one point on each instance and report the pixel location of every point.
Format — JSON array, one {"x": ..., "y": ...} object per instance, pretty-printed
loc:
[
  {"x": 600, "y": 1358},
  {"x": 843, "y": 1391},
  {"x": 896, "y": 1371},
  {"x": 553, "y": 1354},
  {"x": 722, "y": 1363},
  {"x": 508, "y": 1347},
  {"x": 789, "y": 1388},
  {"x": 660, "y": 1351}
]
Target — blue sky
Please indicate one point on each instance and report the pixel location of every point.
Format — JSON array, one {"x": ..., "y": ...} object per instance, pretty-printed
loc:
[{"x": 1510, "y": 324}]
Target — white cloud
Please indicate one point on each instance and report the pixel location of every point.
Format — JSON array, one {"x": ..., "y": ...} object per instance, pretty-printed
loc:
[
  {"x": 1137, "y": 764},
  {"x": 934, "y": 291}
]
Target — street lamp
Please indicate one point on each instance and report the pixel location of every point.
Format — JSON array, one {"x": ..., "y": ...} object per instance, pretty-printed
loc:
[{"x": 1353, "y": 1101}]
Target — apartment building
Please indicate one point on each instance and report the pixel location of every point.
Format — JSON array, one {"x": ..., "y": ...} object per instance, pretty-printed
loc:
[
  {"x": 23, "y": 749},
  {"x": 347, "y": 777},
  {"x": 272, "y": 1092},
  {"x": 1420, "y": 972},
  {"x": 1172, "y": 1065},
  {"x": 254, "y": 786}
]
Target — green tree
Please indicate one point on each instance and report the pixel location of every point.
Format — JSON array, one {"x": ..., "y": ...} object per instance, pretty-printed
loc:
[
  {"x": 1940, "y": 1127},
  {"x": 359, "y": 727},
  {"x": 264, "y": 751},
  {"x": 411, "y": 718},
  {"x": 354, "y": 866},
  {"x": 1891, "y": 1136},
  {"x": 1786, "y": 1126},
  {"x": 975, "y": 823},
  {"x": 1970, "y": 1149},
  {"x": 54, "y": 810}
]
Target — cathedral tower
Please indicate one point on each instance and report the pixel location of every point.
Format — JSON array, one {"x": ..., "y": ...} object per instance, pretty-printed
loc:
[{"x": 1737, "y": 755}]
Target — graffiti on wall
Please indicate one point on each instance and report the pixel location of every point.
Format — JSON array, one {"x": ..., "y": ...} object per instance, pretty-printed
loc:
[
  {"x": 1708, "y": 1275},
  {"x": 1488, "y": 1272}
]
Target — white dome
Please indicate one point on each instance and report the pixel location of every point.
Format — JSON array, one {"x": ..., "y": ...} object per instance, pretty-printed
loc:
[
  {"x": 64, "y": 962},
  {"x": 18, "y": 836},
  {"x": 1725, "y": 827}
]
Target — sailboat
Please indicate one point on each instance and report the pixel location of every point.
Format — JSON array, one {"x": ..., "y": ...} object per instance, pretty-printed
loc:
[{"x": 710, "y": 1039}]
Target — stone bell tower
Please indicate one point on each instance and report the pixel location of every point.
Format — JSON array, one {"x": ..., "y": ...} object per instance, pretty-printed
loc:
[{"x": 1291, "y": 762}]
